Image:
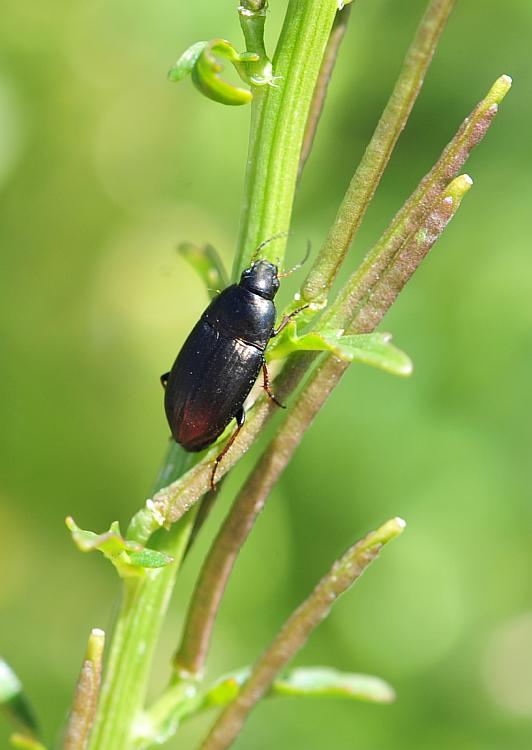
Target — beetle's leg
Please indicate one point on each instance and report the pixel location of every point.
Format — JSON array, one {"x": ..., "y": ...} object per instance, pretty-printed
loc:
[
  {"x": 240, "y": 417},
  {"x": 284, "y": 322},
  {"x": 266, "y": 385},
  {"x": 164, "y": 379}
]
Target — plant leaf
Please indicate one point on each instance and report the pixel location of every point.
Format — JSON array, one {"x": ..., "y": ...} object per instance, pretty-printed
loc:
[
  {"x": 373, "y": 349},
  {"x": 129, "y": 558},
  {"x": 207, "y": 264},
  {"x": 201, "y": 61},
  {"x": 13, "y": 700},
  {"x": 174, "y": 706},
  {"x": 306, "y": 682},
  {"x": 150, "y": 558},
  {"x": 327, "y": 682},
  {"x": 25, "y": 742},
  {"x": 186, "y": 62},
  {"x": 226, "y": 688}
]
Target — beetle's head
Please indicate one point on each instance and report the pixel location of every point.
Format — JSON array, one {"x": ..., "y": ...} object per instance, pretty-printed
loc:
[{"x": 261, "y": 278}]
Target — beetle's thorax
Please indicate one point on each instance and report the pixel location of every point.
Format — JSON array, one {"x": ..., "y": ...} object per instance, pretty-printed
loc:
[
  {"x": 261, "y": 278},
  {"x": 240, "y": 314}
]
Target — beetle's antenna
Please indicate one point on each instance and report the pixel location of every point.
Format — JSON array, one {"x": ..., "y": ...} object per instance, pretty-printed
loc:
[
  {"x": 267, "y": 242},
  {"x": 298, "y": 265}
]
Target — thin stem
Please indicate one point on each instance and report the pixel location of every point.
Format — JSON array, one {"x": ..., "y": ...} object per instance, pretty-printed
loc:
[
  {"x": 148, "y": 519},
  {"x": 453, "y": 157},
  {"x": 372, "y": 165},
  {"x": 87, "y": 691},
  {"x": 144, "y": 605},
  {"x": 279, "y": 117},
  {"x": 296, "y": 631},
  {"x": 218, "y": 564},
  {"x": 409, "y": 257},
  {"x": 250, "y": 501},
  {"x": 320, "y": 92}
]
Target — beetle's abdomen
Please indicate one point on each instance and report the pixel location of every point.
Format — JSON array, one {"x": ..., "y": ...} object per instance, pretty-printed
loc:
[{"x": 208, "y": 384}]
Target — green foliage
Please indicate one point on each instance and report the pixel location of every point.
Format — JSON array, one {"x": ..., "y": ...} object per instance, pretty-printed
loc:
[
  {"x": 13, "y": 701},
  {"x": 373, "y": 349},
  {"x": 129, "y": 558},
  {"x": 201, "y": 62},
  {"x": 324, "y": 682},
  {"x": 207, "y": 264}
]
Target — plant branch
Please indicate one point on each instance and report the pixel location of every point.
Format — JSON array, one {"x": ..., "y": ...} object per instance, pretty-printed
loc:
[
  {"x": 409, "y": 257},
  {"x": 173, "y": 501},
  {"x": 278, "y": 120},
  {"x": 296, "y": 631},
  {"x": 86, "y": 697},
  {"x": 373, "y": 163},
  {"x": 164, "y": 508},
  {"x": 144, "y": 605},
  {"x": 470, "y": 133},
  {"x": 250, "y": 501}
]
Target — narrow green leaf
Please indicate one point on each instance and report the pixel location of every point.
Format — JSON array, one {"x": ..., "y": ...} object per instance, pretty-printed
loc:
[
  {"x": 201, "y": 61},
  {"x": 226, "y": 688},
  {"x": 205, "y": 74},
  {"x": 327, "y": 682},
  {"x": 207, "y": 264},
  {"x": 373, "y": 349},
  {"x": 176, "y": 705},
  {"x": 129, "y": 558},
  {"x": 186, "y": 62},
  {"x": 110, "y": 542},
  {"x": 13, "y": 700},
  {"x": 24, "y": 742},
  {"x": 150, "y": 558},
  {"x": 305, "y": 681}
]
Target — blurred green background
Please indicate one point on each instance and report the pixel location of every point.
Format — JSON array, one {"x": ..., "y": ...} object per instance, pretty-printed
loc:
[{"x": 104, "y": 167}]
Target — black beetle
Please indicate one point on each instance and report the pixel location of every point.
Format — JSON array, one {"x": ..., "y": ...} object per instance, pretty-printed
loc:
[{"x": 221, "y": 360}]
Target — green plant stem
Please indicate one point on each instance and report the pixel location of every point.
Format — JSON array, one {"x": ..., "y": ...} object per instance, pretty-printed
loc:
[
  {"x": 373, "y": 163},
  {"x": 250, "y": 501},
  {"x": 270, "y": 185},
  {"x": 278, "y": 120},
  {"x": 144, "y": 604},
  {"x": 296, "y": 631}
]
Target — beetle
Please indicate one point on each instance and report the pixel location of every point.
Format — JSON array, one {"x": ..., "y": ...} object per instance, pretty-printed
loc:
[{"x": 221, "y": 359}]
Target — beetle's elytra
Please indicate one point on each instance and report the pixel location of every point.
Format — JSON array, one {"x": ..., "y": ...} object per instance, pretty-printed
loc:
[{"x": 221, "y": 360}]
